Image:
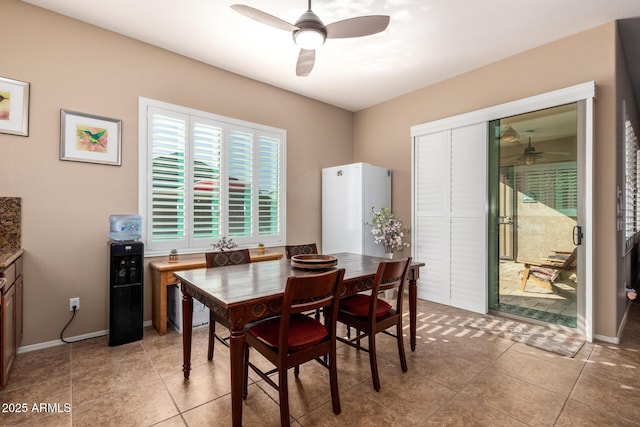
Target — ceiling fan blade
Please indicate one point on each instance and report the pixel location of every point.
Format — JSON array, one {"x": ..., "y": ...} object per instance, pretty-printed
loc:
[
  {"x": 357, "y": 27},
  {"x": 263, "y": 17},
  {"x": 306, "y": 59}
]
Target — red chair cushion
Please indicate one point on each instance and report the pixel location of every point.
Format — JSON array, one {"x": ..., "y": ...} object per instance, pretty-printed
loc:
[
  {"x": 303, "y": 331},
  {"x": 358, "y": 305}
]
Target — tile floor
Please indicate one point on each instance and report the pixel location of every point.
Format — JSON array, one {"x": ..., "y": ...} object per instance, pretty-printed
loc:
[{"x": 457, "y": 377}]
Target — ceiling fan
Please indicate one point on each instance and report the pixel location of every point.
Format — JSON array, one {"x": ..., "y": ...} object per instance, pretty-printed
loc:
[
  {"x": 310, "y": 33},
  {"x": 530, "y": 155}
]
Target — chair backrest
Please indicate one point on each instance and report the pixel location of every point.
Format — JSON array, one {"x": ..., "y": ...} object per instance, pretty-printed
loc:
[
  {"x": 309, "y": 248},
  {"x": 222, "y": 258},
  {"x": 571, "y": 260},
  {"x": 310, "y": 292},
  {"x": 564, "y": 260},
  {"x": 390, "y": 275}
]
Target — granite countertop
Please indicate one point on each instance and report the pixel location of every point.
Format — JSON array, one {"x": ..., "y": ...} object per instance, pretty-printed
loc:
[{"x": 7, "y": 256}]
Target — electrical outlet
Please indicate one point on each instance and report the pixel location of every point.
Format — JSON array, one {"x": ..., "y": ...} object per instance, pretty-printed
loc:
[{"x": 74, "y": 302}]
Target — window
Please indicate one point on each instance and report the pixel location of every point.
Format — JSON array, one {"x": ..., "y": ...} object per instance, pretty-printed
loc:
[
  {"x": 554, "y": 185},
  {"x": 631, "y": 200},
  {"x": 204, "y": 176}
]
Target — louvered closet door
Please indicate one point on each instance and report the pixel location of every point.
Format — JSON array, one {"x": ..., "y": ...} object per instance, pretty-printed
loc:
[
  {"x": 450, "y": 216},
  {"x": 468, "y": 218},
  {"x": 431, "y": 218}
]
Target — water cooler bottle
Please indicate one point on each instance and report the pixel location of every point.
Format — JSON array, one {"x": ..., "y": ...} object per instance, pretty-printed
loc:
[{"x": 125, "y": 291}]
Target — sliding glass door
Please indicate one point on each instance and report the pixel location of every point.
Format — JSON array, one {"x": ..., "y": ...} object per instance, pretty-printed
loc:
[
  {"x": 535, "y": 206},
  {"x": 534, "y": 221}
]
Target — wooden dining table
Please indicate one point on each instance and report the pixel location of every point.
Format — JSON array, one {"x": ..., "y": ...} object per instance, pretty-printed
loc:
[{"x": 239, "y": 294}]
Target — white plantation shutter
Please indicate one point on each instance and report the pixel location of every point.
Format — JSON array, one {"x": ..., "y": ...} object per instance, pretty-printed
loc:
[
  {"x": 631, "y": 184},
  {"x": 468, "y": 218},
  {"x": 432, "y": 222},
  {"x": 206, "y": 166},
  {"x": 167, "y": 184},
  {"x": 450, "y": 219},
  {"x": 240, "y": 182},
  {"x": 566, "y": 177},
  {"x": 268, "y": 170},
  {"x": 637, "y": 197},
  {"x": 552, "y": 184},
  {"x": 205, "y": 176}
]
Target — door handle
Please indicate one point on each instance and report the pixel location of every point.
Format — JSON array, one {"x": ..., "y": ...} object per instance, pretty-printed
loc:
[{"x": 577, "y": 235}]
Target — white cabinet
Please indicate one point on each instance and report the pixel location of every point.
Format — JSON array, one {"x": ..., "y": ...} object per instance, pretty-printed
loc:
[{"x": 348, "y": 194}]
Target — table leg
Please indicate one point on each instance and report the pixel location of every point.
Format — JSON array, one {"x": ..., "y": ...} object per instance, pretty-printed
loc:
[
  {"x": 187, "y": 329},
  {"x": 413, "y": 308},
  {"x": 236, "y": 355}
]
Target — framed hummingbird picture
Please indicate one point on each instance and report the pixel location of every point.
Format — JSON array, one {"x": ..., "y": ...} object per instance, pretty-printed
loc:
[
  {"x": 14, "y": 107},
  {"x": 89, "y": 138}
]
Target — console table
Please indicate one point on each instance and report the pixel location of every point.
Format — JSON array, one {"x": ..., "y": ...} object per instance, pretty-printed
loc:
[{"x": 162, "y": 276}]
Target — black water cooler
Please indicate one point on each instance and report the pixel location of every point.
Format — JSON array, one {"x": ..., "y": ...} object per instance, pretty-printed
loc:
[{"x": 125, "y": 291}]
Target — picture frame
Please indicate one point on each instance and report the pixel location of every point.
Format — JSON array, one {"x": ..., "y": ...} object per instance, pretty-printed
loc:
[
  {"x": 14, "y": 107},
  {"x": 90, "y": 138}
]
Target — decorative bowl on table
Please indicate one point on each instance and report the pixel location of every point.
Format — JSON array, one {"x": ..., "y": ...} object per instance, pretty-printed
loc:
[{"x": 314, "y": 261}]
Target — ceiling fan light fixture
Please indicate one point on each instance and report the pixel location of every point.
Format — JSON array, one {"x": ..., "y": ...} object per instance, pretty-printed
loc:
[
  {"x": 309, "y": 33},
  {"x": 309, "y": 38},
  {"x": 530, "y": 154}
]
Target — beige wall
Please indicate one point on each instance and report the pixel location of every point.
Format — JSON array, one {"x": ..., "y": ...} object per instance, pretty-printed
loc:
[
  {"x": 382, "y": 133},
  {"x": 66, "y": 205}
]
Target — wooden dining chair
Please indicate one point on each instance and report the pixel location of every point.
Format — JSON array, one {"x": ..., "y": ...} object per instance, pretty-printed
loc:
[
  {"x": 307, "y": 249},
  {"x": 292, "y": 338},
  {"x": 370, "y": 315},
  {"x": 220, "y": 259}
]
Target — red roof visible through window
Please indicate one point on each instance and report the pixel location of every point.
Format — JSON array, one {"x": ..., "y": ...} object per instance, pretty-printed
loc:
[{"x": 208, "y": 185}]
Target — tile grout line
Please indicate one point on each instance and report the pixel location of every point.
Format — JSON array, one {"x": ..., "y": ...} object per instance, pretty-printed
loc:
[
  {"x": 573, "y": 387},
  {"x": 146, "y": 353}
]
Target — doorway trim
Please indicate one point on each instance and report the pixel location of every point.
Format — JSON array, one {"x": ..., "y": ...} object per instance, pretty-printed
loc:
[{"x": 582, "y": 92}]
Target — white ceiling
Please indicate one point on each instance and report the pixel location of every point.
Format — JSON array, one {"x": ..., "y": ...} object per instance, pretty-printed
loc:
[{"x": 427, "y": 40}]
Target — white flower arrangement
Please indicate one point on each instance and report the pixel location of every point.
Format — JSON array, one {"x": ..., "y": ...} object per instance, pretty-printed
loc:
[{"x": 388, "y": 230}]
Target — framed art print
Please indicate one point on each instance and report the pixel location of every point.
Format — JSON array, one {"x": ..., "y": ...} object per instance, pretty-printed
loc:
[
  {"x": 89, "y": 138},
  {"x": 14, "y": 107}
]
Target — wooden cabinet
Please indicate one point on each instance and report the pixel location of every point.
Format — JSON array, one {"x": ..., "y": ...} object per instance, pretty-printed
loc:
[
  {"x": 10, "y": 317},
  {"x": 19, "y": 306},
  {"x": 8, "y": 331}
]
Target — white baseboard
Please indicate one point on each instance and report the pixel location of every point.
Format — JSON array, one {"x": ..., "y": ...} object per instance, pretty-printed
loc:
[
  {"x": 48, "y": 344},
  {"x": 610, "y": 340},
  {"x": 623, "y": 323}
]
